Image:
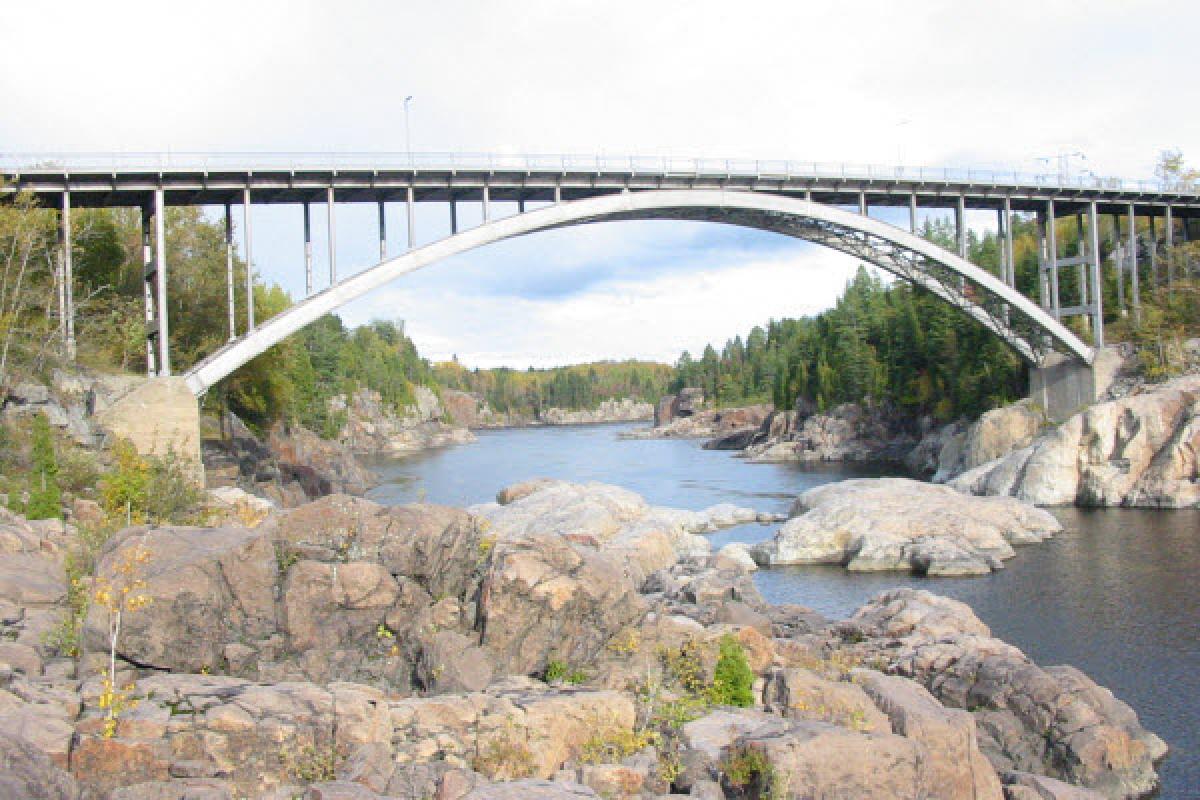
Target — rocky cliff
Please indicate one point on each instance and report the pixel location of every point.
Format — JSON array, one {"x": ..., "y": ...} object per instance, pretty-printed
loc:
[
  {"x": 472, "y": 411},
  {"x": 1141, "y": 450},
  {"x": 372, "y": 428}
]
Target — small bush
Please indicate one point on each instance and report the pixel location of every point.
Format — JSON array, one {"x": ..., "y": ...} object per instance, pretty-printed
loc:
[
  {"x": 45, "y": 496},
  {"x": 748, "y": 772},
  {"x": 311, "y": 764},
  {"x": 733, "y": 681},
  {"x": 148, "y": 489},
  {"x": 505, "y": 757},
  {"x": 561, "y": 672},
  {"x": 611, "y": 744}
]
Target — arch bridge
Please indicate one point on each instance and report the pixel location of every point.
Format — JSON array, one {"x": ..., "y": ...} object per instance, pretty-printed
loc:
[{"x": 826, "y": 204}]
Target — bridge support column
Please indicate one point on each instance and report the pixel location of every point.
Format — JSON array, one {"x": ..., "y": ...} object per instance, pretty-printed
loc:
[
  {"x": 1081, "y": 270},
  {"x": 382, "y": 233},
  {"x": 1169, "y": 242},
  {"x": 960, "y": 225},
  {"x": 912, "y": 213},
  {"x": 1153, "y": 251},
  {"x": 148, "y": 291},
  {"x": 308, "y": 254},
  {"x": 332, "y": 223},
  {"x": 248, "y": 232},
  {"x": 410, "y": 203},
  {"x": 160, "y": 284},
  {"x": 862, "y": 203},
  {"x": 487, "y": 205},
  {"x": 1097, "y": 286},
  {"x": 1008, "y": 242},
  {"x": 1052, "y": 259},
  {"x": 453, "y": 214},
  {"x": 1136, "y": 299},
  {"x": 1118, "y": 254},
  {"x": 68, "y": 280},
  {"x": 230, "y": 299}
]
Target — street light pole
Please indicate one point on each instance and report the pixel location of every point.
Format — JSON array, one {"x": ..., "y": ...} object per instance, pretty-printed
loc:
[{"x": 407, "y": 131}]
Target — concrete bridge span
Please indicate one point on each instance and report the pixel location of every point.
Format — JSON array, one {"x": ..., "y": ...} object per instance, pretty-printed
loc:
[{"x": 1022, "y": 324}]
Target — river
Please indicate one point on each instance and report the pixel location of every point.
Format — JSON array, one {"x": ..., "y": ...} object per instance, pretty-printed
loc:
[{"x": 1115, "y": 594}]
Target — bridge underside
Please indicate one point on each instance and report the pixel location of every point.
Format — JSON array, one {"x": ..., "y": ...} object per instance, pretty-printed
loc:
[{"x": 1019, "y": 322}]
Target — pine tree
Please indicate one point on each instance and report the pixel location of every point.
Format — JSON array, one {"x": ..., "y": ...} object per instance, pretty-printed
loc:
[{"x": 45, "y": 497}]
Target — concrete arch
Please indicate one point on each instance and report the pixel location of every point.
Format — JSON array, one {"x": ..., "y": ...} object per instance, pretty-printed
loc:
[{"x": 1029, "y": 330}]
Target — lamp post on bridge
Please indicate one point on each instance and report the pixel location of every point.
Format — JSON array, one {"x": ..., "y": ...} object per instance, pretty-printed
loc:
[{"x": 407, "y": 131}]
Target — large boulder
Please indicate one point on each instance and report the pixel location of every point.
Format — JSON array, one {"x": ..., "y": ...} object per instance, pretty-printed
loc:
[
  {"x": 544, "y": 599},
  {"x": 207, "y": 587},
  {"x": 1050, "y": 721},
  {"x": 900, "y": 524}
]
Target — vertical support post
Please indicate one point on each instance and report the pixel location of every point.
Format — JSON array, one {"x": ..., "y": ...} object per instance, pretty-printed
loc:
[
  {"x": 148, "y": 290},
  {"x": 1009, "y": 257},
  {"x": 68, "y": 277},
  {"x": 960, "y": 228},
  {"x": 1052, "y": 258},
  {"x": 1133, "y": 267},
  {"x": 558, "y": 192},
  {"x": 912, "y": 213},
  {"x": 1081, "y": 269},
  {"x": 1153, "y": 250},
  {"x": 1097, "y": 287},
  {"x": 1118, "y": 260},
  {"x": 410, "y": 202},
  {"x": 487, "y": 205},
  {"x": 60, "y": 289},
  {"x": 160, "y": 268},
  {"x": 1169, "y": 242},
  {"x": 308, "y": 253},
  {"x": 453, "y": 214},
  {"x": 382, "y": 232},
  {"x": 332, "y": 223},
  {"x": 248, "y": 232},
  {"x": 862, "y": 203},
  {"x": 230, "y": 299},
  {"x": 520, "y": 204},
  {"x": 1043, "y": 263},
  {"x": 1003, "y": 252}
]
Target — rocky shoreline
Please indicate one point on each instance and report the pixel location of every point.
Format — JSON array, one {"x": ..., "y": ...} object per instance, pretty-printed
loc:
[
  {"x": 1137, "y": 449},
  {"x": 566, "y": 641}
]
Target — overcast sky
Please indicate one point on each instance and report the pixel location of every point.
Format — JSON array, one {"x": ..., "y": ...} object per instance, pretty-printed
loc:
[{"x": 933, "y": 83}]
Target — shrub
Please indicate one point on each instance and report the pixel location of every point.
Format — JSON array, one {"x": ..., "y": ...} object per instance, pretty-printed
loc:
[
  {"x": 45, "y": 497},
  {"x": 733, "y": 681},
  {"x": 613, "y": 743},
  {"x": 561, "y": 672},
  {"x": 750, "y": 774}
]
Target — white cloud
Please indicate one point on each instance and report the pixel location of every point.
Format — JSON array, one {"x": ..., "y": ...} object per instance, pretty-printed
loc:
[{"x": 655, "y": 319}]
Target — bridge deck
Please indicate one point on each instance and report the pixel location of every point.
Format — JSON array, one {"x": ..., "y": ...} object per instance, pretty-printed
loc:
[{"x": 120, "y": 180}]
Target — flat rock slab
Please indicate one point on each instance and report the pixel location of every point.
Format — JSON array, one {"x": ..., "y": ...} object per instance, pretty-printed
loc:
[{"x": 876, "y": 524}]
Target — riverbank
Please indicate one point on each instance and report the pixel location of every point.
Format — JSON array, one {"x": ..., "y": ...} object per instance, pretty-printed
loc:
[{"x": 421, "y": 648}]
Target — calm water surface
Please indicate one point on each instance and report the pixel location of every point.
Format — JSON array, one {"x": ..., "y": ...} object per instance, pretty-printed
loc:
[{"x": 1116, "y": 594}]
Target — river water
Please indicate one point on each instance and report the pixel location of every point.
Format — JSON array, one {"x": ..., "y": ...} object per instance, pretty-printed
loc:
[{"x": 1115, "y": 594}]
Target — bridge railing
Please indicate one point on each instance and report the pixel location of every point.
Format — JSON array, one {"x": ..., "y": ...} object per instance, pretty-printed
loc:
[{"x": 13, "y": 163}]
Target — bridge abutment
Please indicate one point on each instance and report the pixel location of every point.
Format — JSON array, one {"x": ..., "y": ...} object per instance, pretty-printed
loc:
[
  {"x": 1064, "y": 385},
  {"x": 161, "y": 418}
]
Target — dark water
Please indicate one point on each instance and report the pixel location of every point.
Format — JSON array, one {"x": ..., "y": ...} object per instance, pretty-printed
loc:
[{"x": 1117, "y": 594}]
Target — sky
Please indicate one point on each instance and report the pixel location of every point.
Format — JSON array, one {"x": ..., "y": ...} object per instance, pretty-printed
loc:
[{"x": 1008, "y": 85}]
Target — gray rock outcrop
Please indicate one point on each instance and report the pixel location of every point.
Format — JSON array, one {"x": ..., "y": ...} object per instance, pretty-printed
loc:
[
  {"x": 899, "y": 524},
  {"x": 1138, "y": 451}
]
